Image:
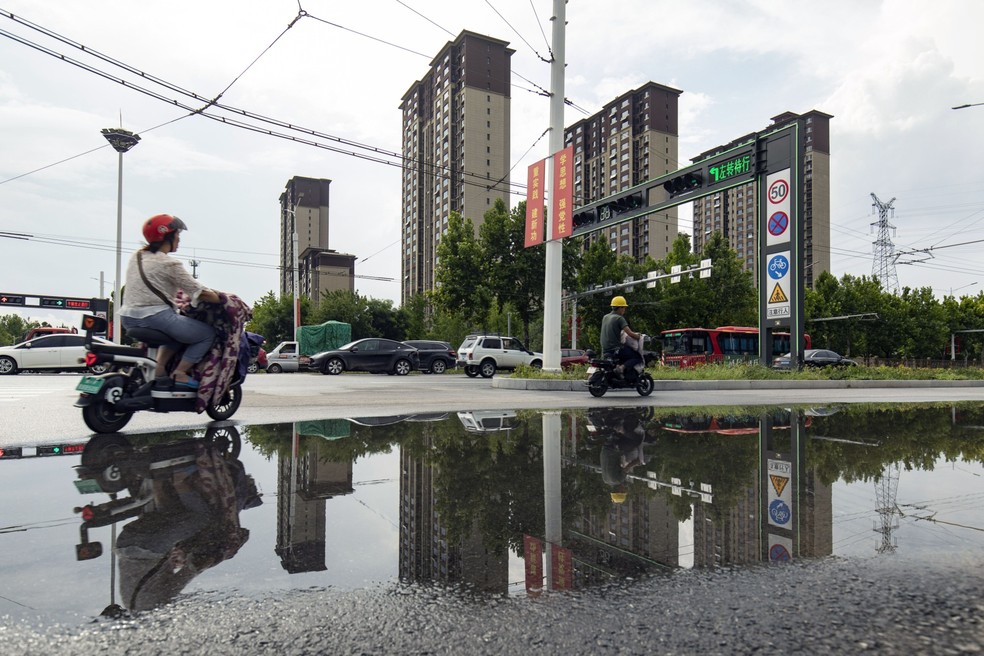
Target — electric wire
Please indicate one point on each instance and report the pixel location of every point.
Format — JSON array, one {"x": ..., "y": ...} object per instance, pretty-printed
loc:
[
  {"x": 426, "y": 18},
  {"x": 521, "y": 37}
]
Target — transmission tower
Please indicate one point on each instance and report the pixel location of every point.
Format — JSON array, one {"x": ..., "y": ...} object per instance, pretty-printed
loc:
[
  {"x": 886, "y": 490},
  {"x": 883, "y": 266}
]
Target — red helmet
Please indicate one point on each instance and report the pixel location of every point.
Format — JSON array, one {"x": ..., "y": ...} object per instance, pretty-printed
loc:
[{"x": 160, "y": 226}]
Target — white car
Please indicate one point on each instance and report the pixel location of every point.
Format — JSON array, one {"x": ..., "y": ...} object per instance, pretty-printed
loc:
[
  {"x": 62, "y": 352},
  {"x": 486, "y": 354}
]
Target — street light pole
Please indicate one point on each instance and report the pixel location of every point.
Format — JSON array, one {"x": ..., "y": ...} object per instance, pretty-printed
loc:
[
  {"x": 297, "y": 265},
  {"x": 121, "y": 140},
  {"x": 966, "y": 105}
]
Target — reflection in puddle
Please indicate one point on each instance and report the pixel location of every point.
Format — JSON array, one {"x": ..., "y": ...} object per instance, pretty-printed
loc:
[{"x": 500, "y": 502}]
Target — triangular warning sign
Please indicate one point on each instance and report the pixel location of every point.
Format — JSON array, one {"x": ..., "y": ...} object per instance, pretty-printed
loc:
[
  {"x": 779, "y": 483},
  {"x": 778, "y": 296}
]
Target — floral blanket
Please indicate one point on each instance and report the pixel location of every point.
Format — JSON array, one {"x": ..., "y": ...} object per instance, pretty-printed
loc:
[{"x": 217, "y": 370}]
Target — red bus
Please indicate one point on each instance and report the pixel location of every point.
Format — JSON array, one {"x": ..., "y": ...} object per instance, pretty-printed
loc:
[{"x": 689, "y": 347}]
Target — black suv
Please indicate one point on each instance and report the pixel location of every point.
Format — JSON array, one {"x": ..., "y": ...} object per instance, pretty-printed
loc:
[{"x": 435, "y": 357}]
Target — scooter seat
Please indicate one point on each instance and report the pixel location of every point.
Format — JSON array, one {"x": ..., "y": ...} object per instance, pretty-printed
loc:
[{"x": 150, "y": 336}]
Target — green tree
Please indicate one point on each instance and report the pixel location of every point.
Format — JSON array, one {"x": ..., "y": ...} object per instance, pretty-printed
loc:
[
  {"x": 460, "y": 274},
  {"x": 273, "y": 317},
  {"x": 13, "y": 327}
]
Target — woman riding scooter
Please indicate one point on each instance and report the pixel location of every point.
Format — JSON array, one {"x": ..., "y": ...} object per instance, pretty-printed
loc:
[{"x": 152, "y": 283}]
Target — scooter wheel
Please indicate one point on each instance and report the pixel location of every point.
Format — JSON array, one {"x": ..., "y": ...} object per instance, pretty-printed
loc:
[
  {"x": 597, "y": 385},
  {"x": 645, "y": 385},
  {"x": 226, "y": 407},
  {"x": 101, "y": 417}
]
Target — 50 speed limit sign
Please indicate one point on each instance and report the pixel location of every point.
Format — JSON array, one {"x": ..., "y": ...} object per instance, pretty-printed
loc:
[{"x": 778, "y": 191}]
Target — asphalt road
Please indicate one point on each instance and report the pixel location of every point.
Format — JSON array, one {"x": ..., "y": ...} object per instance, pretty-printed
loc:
[{"x": 37, "y": 407}]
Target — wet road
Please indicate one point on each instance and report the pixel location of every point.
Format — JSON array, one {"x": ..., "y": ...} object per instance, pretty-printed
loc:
[{"x": 819, "y": 528}]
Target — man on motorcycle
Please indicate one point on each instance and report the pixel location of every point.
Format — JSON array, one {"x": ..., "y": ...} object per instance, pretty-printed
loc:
[{"x": 613, "y": 326}]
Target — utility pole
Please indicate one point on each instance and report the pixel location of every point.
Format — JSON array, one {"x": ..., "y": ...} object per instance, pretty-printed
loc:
[
  {"x": 883, "y": 266},
  {"x": 194, "y": 268},
  {"x": 554, "y": 247}
]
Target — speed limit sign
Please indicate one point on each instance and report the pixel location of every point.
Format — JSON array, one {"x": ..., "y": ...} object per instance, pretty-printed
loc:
[{"x": 778, "y": 191}]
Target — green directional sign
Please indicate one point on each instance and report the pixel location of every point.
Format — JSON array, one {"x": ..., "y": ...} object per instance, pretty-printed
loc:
[{"x": 49, "y": 301}]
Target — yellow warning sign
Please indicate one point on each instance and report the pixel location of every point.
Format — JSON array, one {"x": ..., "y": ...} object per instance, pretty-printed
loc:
[
  {"x": 778, "y": 296},
  {"x": 779, "y": 483}
]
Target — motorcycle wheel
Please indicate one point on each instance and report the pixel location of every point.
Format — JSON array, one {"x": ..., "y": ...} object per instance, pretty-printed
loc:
[
  {"x": 228, "y": 405},
  {"x": 597, "y": 384},
  {"x": 101, "y": 417},
  {"x": 645, "y": 384}
]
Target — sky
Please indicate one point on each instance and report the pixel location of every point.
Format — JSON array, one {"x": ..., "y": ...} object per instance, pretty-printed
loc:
[{"x": 888, "y": 71}]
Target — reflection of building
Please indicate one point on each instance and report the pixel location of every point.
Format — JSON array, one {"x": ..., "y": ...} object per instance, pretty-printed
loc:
[
  {"x": 426, "y": 551},
  {"x": 304, "y": 482},
  {"x": 733, "y": 212},
  {"x": 632, "y": 139},
  {"x": 304, "y": 206},
  {"x": 455, "y": 148}
]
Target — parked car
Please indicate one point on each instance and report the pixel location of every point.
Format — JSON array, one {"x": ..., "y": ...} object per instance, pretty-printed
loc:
[
  {"x": 486, "y": 354},
  {"x": 257, "y": 356},
  {"x": 57, "y": 352},
  {"x": 571, "y": 357},
  {"x": 815, "y": 358},
  {"x": 435, "y": 357},
  {"x": 47, "y": 330},
  {"x": 285, "y": 357},
  {"x": 371, "y": 354}
]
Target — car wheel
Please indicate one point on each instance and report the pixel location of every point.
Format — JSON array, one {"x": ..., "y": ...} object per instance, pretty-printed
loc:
[
  {"x": 252, "y": 368},
  {"x": 487, "y": 368},
  {"x": 402, "y": 367},
  {"x": 274, "y": 369},
  {"x": 438, "y": 366},
  {"x": 471, "y": 371},
  {"x": 536, "y": 364},
  {"x": 333, "y": 367},
  {"x": 7, "y": 366}
]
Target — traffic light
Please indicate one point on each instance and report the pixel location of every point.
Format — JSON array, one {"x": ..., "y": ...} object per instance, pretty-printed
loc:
[
  {"x": 9, "y": 452},
  {"x": 683, "y": 183},
  {"x": 8, "y": 299},
  {"x": 585, "y": 217},
  {"x": 626, "y": 203}
]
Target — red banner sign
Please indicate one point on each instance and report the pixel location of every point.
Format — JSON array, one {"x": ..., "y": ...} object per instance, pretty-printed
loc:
[
  {"x": 563, "y": 567},
  {"x": 534, "y": 203},
  {"x": 533, "y": 555},
  {"x": 562, "y": 204}
]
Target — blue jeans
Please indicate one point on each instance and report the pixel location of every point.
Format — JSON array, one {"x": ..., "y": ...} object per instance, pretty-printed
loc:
[{"x": 183, "y": 330}]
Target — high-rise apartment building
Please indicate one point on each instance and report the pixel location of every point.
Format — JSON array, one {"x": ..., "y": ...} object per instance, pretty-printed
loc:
[
  {"x": 455, "y": 148},
  {"x": 304, "y": 209},
  {"x": 733, "y": 212},
  {"x": 631, "y": 140}
]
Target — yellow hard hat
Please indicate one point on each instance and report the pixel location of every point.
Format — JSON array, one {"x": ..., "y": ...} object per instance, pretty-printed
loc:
[
  {"x": 618, "y": 497},
  {"x": 619, "y": 301}
]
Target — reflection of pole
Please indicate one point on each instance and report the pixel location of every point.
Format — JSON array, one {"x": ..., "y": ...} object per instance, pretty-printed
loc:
[
  {"x": 295, "y": 445},
  {"x": 553, "y": 528}
]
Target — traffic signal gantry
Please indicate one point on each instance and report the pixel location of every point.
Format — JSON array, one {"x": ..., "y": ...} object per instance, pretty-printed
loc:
[{"x": 728, "y": 169}]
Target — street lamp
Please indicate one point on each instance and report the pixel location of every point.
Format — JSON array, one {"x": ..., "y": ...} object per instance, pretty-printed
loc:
[
  {"x": 966, "y": 105},
  {"x": 121, "y": 140},
  {"x": 297, "y": 264},
  {"x": 971, "y": 284}
]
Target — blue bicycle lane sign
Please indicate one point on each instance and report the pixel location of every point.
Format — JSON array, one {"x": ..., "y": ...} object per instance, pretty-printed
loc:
[{"x": 778, "y": 267}]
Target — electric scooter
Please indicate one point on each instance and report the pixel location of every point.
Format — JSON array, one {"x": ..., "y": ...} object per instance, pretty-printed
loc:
[
  {"x": 109, "y": 400},
  {"x": 603, "y": 377}
]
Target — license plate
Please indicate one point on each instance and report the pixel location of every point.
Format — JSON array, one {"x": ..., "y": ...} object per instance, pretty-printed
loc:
[
  {"x": 591, "y": 370},
  {"x": 90, "y": 384}
]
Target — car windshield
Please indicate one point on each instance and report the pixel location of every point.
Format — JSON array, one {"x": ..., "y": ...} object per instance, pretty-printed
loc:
[{"x": 348, "y": 347}]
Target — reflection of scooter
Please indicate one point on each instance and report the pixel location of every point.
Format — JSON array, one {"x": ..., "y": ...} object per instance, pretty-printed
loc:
[
  {"x": 186, "y": 497},
  {"x": 602, "y": 375},
  {"x": 109, "y": 400},
  {"x": 624, "y": 435}
]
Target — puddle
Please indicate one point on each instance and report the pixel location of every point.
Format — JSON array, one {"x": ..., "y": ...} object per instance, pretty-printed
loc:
[{"x": 519, "y": 504}]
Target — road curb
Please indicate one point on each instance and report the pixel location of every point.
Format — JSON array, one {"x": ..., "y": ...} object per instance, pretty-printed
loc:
[{"x": 543, "y": 384}]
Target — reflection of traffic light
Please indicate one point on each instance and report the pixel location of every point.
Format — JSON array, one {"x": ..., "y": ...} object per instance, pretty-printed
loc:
[
  {"x": 683, "y": 183},
  {"x": 11, "y": 452},
  {"x": 60, "y": 449}
]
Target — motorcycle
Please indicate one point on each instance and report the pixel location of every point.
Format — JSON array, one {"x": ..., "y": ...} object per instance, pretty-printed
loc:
[
  {"x": 109, "y": 400},
  {"x": 184, "y": 496},
  {"x": 602, "y": 375}
]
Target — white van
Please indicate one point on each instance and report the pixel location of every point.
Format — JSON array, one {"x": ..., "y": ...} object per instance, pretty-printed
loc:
[{"x": 286, "y": 358}]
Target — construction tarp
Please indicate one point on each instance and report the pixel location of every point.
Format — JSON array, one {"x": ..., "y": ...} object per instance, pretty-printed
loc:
[{"x": 323, "y": 337}]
